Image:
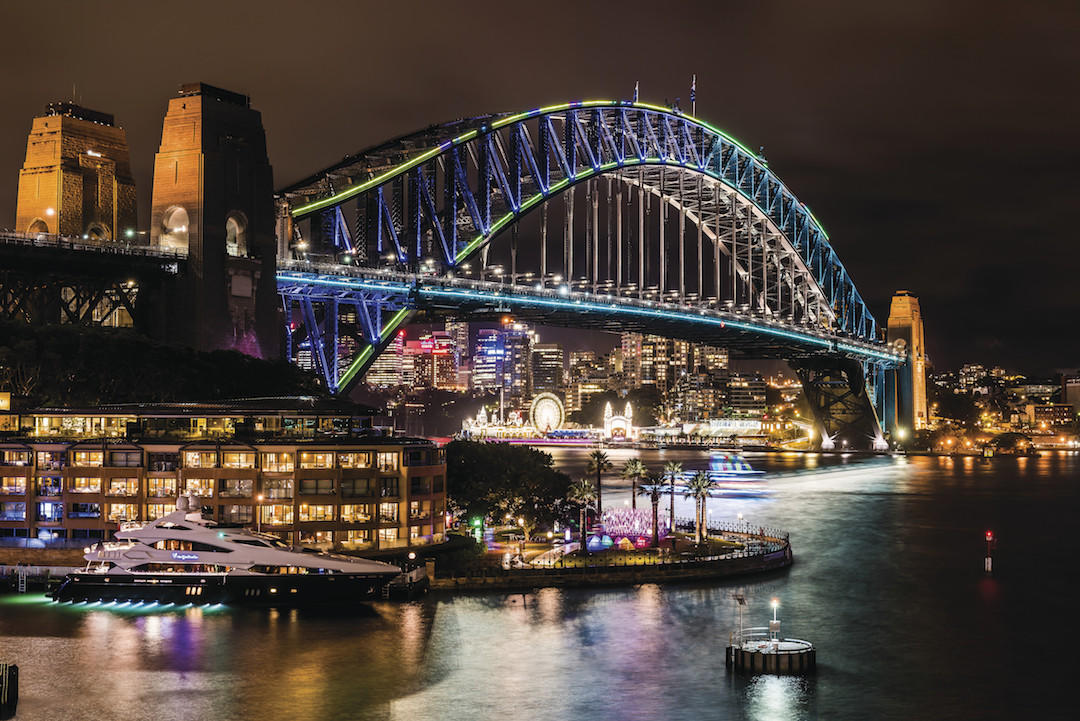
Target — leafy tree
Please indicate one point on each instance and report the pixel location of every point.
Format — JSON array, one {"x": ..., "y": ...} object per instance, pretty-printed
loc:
[
  {"x": 698, "y": 488},
  {"x": 598, "y": 464},
  {"x": 634, "y": 470},
  {"x": 493, "y": 479},
  {"x": 672, "y": 469},
  {"x": 582, "y": 494},
  {"x": 70, "y": 365},
  {"x": 653, "y": 489}
]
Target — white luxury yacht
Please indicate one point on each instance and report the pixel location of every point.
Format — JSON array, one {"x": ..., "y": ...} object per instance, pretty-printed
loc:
[{"x": 181, "y": 558}]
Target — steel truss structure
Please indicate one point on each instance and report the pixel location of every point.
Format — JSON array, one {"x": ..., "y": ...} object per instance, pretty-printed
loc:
[{"x": 693, "y": 222}]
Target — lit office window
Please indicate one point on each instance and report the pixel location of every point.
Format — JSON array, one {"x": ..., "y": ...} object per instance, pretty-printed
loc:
[
  {"x": 277, "y": 462},
  {"x": 357, "y": 459},
  {"x": 316, "y": 512},
  {"x": 161, "y": 487},
  {"x": 238, "y": 459},
  {"x": 311, "y": 459},
  {"x": 123, "y": 487},
  {"x": 387, "y": 460},
  {"x": 117, "y": 512},
  {"x": 83, "y": 484},
  {"x": 356, "y": 513},
  {"x": 277, "y": 514},
  {"x": 202, "y": 487},
  {"x": 90, "y": 459},
  {"x": 200, "y": 459}
]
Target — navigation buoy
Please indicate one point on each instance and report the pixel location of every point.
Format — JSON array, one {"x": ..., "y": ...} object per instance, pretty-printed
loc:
[
  {"x": 988, "y": 563},
  {"x": 764, "y": 650}
]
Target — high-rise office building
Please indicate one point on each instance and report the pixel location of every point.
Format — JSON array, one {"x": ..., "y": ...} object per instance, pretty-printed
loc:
[
  {"x": 547, "y": 367},
  {"x": 711, "y": 359},
  {"x": 386, "y": 370},
  {"x": 517, "y": 344},
  {"x": 746, "y": 394},
  {"x": 630, "y": 348},
  {"x": 459, "y": 333},
  {"x": 487, "y": 360},
  {"x": 664, "y": 361}
]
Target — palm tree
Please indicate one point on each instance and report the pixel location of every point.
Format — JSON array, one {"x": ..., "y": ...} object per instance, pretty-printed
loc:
[
  {"x": 653, "y": 488},
  {"x": 672, "y": 469},
  {"x": 634, "y": 469},
  {"x": 582, "y": 494},
  {"x": 698, "y": 488},
  {"x": 598, "y": 464}
]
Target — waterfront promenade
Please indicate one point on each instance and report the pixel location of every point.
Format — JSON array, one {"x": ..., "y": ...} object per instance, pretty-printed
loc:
[{"x": 768, "y": 549}]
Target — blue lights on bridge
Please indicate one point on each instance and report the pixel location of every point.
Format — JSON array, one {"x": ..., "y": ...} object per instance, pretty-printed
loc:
[{"x": 420, "y": 287}]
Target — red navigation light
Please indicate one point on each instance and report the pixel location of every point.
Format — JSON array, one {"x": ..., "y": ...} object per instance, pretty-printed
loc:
[{"x": 989, "y": 536}]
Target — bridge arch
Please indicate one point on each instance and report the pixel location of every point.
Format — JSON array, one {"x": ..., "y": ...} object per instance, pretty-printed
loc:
[
  {"x": 465, "y": 183},
  {"x": 444, "y": 203}
]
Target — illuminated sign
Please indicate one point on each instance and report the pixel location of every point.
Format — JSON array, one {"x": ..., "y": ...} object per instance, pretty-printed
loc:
[{"x": 184, "y": 556}]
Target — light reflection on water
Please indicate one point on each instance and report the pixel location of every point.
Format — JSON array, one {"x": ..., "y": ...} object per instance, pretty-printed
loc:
[{"x": 887, "y": 582}]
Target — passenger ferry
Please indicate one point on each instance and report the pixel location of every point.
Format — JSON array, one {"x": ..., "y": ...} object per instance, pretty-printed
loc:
[
  {"x": 732, "y": 476},
  {"x": 182, "y": 558}
]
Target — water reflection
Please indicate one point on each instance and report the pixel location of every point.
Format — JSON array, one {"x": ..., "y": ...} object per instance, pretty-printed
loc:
[
  {"x": 779, "y": 697},
  {"x": 888, "y": 583}
]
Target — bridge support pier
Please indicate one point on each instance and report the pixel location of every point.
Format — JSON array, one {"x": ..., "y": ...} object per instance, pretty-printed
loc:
[{"x": 843, "y": 414}]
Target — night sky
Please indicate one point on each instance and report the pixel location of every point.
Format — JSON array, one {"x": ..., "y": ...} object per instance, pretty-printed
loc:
[{"x": 937, "y": 142}]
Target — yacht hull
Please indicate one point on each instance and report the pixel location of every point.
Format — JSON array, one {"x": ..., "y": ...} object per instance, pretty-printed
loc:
[{"x": 264, "y": 590}]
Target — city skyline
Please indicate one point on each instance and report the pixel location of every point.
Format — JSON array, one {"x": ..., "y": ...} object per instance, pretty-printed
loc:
[{"x": 916, "y": 190}]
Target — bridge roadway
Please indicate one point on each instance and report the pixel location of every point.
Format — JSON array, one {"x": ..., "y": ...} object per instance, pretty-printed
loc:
[{"x": 749, "y": 334}]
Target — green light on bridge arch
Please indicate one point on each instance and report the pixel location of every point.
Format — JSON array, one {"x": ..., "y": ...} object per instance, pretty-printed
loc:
[{"x": 428, "y": 154}]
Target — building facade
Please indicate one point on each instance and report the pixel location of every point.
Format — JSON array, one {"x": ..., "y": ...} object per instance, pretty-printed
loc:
[
  {"x": 307, "y": 472},
  {"x": 905, "y": 388},
  {"x": 547, "y": 368},
  {"x": 213, "y": 201},
  {"x": 76, "y": 180}
]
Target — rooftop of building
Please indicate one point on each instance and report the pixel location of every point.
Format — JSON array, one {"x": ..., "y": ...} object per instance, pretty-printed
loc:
[
  {"x": 72, "y": 110},
  {"x": 210, "y": 91},
  {"x": 298, "y": 405},
  {"x": 224, "y": 443}
]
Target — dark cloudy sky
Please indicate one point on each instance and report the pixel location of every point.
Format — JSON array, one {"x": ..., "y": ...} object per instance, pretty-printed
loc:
[{"x": 938, "y": 142}]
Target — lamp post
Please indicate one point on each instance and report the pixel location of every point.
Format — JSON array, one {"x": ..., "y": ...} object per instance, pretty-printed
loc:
[{"x": 258, "y": 513}]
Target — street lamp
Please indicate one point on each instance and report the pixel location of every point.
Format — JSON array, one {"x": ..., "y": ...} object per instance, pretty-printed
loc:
[
  {"x": 258, "y": 513},
  {"x": 775, "y": 603}
]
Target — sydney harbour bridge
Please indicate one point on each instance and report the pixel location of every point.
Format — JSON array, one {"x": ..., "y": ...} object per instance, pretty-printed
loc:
[
  {"x": 614, "y": 215},
  {"x": 609, "y": 215}
]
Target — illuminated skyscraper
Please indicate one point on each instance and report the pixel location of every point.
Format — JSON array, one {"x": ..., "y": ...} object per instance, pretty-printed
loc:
[
  {"x": 517, "y": 345},
  {"x": 386, "y": 370},
  {"x": 547, "y": 368},
  {"x": 487, "y": 360}
]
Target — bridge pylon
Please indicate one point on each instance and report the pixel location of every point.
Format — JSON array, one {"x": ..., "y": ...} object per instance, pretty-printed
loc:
[{"x": 844, "y": 416}]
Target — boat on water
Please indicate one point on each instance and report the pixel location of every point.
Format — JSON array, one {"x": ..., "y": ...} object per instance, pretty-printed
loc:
[
  {"x": 182, "y": 558},
  {"x": 728, "y": 465},
  {"x": 732, "y": 477}
]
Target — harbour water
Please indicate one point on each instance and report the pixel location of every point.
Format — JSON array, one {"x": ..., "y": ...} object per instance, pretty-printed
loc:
[{"x": 888, "y": 583}]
